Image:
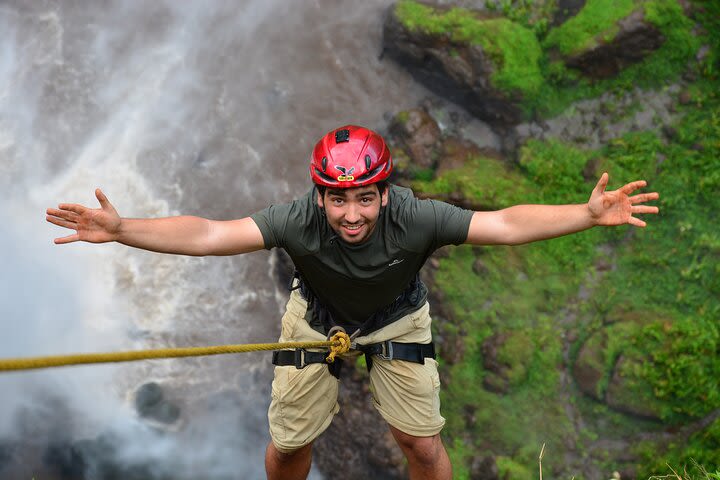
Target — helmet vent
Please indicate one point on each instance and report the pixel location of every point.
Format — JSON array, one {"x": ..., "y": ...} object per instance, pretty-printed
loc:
[
  {"x": 324, "y": 164},
  {"x": 368, "y": 162},
  {"x": 342, "y": 136}
]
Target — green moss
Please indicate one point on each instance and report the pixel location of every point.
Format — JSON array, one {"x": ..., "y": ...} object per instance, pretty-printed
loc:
[
  {"x": 511, "y": 470},
  {"x": 660, "y": 301},
  {"x": 512, "y": 48},
  {"x": 596, "y": 22},
  {"x": 485, "y": 181},
  {"x": 698, "y": 457},
  {"x": 556, "y": 168}
]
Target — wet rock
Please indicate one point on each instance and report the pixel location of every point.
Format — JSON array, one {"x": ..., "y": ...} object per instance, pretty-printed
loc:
[
  {"x": 635, "y": 40},
  {"x": 418, "y": 134},
  {"x": 5, "y": 455},
  {"x": 150, "y": 403},
  {"x": 454, "y": 153},
  {"x": 567, "y": 9},
  {"x": 628, "y": 392},
  {"x": 506, "y": 356},
  {"x": 65, "y": 460},
  {"x": 590, "y": 366},
  {"x": 480, "y": 268},
  {"x": 94, "y": 458},
  {"x": 284, "y": 267},
  {"x": 458, "y": 70},
  {"x": 484, "y": 468},
  {"x": 685, "y": 97}
]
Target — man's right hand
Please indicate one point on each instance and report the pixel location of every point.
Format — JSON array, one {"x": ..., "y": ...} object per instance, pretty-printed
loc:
[{"x": 95, "y": 225}]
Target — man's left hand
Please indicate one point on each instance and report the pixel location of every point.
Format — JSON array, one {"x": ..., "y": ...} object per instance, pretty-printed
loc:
[{"x": 617, "y": 207}]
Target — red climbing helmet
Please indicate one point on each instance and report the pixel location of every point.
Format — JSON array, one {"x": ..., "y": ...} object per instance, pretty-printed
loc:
[{"x": 350, "y": 156}]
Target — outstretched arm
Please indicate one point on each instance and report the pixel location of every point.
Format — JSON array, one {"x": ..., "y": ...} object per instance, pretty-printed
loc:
[
  {"x": 184, "y": 235},
  {"x": 528, "y": 223}
]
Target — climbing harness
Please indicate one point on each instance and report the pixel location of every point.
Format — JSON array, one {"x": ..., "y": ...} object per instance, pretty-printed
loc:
[
  {"x": 414, "y": 294},
  {"x": 300, "y": 357},
  {"x": 338, "y": 344}
]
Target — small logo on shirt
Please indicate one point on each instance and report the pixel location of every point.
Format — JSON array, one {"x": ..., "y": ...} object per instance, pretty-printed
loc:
[{"x": 395, "y": 262}]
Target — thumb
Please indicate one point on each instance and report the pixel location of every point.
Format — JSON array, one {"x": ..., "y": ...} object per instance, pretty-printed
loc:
[
  {"x": 104, "y": 202},
  {"x": 601, "y": 184}
]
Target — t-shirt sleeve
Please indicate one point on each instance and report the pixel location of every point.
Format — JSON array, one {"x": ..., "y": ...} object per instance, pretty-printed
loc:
[
  {"x": 451, "y": 223},
  {"x": 289, "y": 226},
  {"x": 434, "y": 224},
  {"x": 272, "y": 222}
]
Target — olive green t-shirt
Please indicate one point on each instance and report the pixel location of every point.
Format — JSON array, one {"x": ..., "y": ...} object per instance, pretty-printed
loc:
[{"x": 355, "y": 281}]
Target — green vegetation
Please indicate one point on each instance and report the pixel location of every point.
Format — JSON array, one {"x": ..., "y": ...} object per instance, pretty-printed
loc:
[
  {"x": 513, "y": 49},
  {"x": 485, "y": 180},
  {"x": 657, "y": 307},
  {"x": 595, "y": 23},
  {"x": 523, "y": 55}
]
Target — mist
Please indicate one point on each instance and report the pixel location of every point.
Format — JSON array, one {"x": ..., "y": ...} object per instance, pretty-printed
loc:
[{"x": 205, "y": 108}]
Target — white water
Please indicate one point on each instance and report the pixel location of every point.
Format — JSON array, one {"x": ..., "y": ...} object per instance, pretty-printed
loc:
[{"x": 206, "y": 108}]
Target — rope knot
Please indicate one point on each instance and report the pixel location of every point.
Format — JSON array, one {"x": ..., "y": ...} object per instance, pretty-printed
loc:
[{"x": 340, "y": 344}]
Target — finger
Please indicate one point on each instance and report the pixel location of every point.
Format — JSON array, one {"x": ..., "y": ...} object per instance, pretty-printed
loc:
[
  {"x": 104, "y": 202},
  {"x": 72, "y": 207},
  {"x": 644, "y": 197},
  {"x": 68, "y": 239},
  {"x": 61, "y": 223},
  {"x": 644, "y": 209},
  {"x": 602, "y": 183},
  {"x": 67, "y": 215},
  {"x": 636, "y": 221},
  {"x": 632, "y": 186}
]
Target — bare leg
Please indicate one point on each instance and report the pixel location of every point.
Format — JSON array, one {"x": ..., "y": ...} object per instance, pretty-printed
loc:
[
  {"x": 288, "y": 466},
  {"x": 427, "y": 458}
]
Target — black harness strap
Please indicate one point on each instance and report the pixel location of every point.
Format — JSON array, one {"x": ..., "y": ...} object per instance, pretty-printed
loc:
[
  {"x": 301, "y": 358},
  {"x": 409, "y": 352}
]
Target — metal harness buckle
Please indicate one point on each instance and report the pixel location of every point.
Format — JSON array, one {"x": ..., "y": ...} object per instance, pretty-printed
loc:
[
  {"x": 387, "y": 350},
  {"x": 300, "y": 358}
]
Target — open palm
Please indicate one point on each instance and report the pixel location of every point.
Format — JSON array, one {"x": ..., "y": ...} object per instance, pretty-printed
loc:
[
  {"x": 617, "y": 207},
  {"x": 95, "y": 225}
]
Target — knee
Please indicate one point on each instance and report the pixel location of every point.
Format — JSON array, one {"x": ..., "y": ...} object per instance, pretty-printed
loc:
[
  {"x": 289, "y": 456},
  {"x": 422, "y": 450}
]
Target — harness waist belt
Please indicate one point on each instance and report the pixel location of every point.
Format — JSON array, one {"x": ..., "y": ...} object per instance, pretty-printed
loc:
[
  {"x": 301, "y": 358},
  {"x": 410, "y": 352}
]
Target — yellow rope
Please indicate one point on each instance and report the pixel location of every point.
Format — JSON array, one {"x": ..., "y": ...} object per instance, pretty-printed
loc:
[{"x": 339, "y": 344}]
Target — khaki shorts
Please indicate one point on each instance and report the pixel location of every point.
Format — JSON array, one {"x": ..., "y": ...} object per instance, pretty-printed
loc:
[{"x": 304, "y": 401}]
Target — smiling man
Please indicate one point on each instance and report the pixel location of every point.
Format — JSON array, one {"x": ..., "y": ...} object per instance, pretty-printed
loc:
[{"x": 358, "y": 244}]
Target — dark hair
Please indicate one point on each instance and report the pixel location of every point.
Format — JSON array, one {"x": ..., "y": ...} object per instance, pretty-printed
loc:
[{"x": 382, "y": 186}]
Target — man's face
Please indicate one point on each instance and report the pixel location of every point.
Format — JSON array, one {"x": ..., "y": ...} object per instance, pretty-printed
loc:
[{"x": 353, "y": 212}]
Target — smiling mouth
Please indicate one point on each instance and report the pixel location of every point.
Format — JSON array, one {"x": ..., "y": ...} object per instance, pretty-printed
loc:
[{"x": 353, "y": 228}]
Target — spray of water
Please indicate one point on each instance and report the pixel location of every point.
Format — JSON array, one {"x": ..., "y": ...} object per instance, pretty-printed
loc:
[{"x": 206, "y": 108}]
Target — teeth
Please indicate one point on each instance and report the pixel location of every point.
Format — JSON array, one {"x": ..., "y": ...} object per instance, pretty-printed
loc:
[{"x": 352, "y": 227}]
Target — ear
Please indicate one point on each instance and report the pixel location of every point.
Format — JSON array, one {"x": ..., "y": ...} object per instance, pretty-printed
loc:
[
  {"x": 384, "y": 197},
  {"x": 320, "y": 202}
]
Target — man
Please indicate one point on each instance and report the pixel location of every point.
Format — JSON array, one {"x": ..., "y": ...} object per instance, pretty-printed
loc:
[{"x": 358, "y": 244}]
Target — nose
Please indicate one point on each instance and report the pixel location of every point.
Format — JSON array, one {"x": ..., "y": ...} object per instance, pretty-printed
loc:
[{"x": 352, "y": 214}]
